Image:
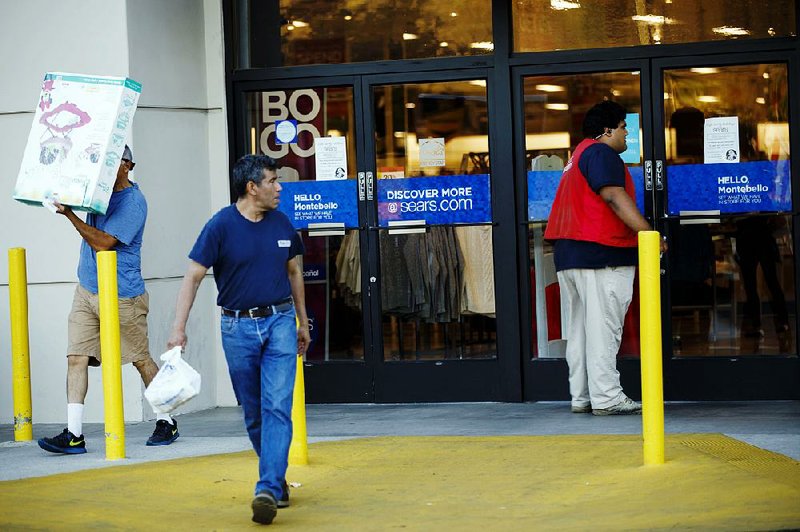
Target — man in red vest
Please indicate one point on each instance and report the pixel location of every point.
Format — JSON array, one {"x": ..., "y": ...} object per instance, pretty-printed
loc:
[{"x": 594, "y": 223}]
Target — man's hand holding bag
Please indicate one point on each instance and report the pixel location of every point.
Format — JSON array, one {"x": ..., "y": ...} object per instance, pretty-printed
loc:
[{"x": 174, "y": 384}]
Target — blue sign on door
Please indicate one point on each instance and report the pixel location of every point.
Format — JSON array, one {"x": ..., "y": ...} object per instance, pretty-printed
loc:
[
  {"x": 542, "y": 188},
  {"x": 452, "y": 199},
  {"x": 308, "y": 202},
  {"x": 757, "y": 186}
]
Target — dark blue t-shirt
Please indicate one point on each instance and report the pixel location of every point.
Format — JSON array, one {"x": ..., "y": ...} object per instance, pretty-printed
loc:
[
  {"x": 124, "y": 220},
  {"x": 602, "y": 167},
  {"x": 249, "y": 258}
]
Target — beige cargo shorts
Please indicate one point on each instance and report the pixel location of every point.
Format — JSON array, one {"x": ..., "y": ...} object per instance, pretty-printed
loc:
[{"x": 84, "y": 327}]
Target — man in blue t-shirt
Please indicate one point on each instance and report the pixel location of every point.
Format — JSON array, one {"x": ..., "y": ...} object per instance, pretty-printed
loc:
[
  {"x": 255, "y": 253},
  {"x": 120, "y": 230}
]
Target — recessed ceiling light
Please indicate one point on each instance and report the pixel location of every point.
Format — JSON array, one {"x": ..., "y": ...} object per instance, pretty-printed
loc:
[
  {"x": 348, "y": 17},
  {"x": 410, "y": 105},
  {"x": 765, "y": 75},
  {"x": 299, "y": 23},
  {"x": 761, "y": 100},
  {"x": 556, "y": 106},
  {"x": 653, "y": 20},
  {"x": 453, "y": 14},
  {"x": 563, "y": 5},
  {"x": 704, "y": 70},
  {"x": 444, "y": 44},
  {"x": 730, "y": 31},
  {"x": 410, "y": 36},
  {"x": 545, "y": 87},
  {"x": 483, "y": 45},
  {"x": 708, "y": 99}
]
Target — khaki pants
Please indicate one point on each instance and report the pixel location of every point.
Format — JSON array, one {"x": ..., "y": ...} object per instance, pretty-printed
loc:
[{"x": 597, "y": 301}]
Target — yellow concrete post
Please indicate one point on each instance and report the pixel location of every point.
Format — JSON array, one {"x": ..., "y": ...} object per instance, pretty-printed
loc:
[
  {"x": 20, "y": 349},
  {"x": 298, "y": 450},
  {"x": 110, "y": 352},
  {"x": 650, "y": 327}
]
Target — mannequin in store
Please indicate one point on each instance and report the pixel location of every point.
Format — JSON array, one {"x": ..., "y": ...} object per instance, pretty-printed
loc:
[{"x": 594, "y": 223}]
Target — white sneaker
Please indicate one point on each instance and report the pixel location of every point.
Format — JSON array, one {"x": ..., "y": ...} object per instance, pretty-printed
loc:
[{"x": 626, "y": 406}]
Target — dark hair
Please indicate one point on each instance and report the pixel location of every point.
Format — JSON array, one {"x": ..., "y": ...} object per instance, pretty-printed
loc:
[
  {"x": 250, "y": 168},
  {"x": 606, "y": 114}
]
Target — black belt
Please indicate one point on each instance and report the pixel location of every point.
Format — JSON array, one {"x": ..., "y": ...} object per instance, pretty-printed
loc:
[{"x": 260, "y": 312}]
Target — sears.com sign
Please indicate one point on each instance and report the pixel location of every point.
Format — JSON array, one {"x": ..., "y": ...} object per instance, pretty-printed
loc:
[{"x": 305, "y": 107}]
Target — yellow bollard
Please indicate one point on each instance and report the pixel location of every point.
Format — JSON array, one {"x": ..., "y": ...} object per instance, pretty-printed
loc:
[
  {"x": 20, "y": 349},
  {"x": 650, "y": 327},
  {"x": 110, "y": 352},
  {"x": 298, "y": 450}
]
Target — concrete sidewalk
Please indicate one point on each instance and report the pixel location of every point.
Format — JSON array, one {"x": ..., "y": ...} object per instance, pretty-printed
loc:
[
  {"x": 770, "y": 425},
  {"x": 482, "y": 466}
]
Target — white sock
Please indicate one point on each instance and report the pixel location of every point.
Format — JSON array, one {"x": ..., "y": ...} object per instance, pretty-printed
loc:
[
  {"x": 165, "y": 417},
  {"x": 75, "y": 418}
]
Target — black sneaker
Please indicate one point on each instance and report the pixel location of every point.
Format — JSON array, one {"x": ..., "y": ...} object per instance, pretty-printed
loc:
[
  {"x": 65, "y": 443},
  {"x": 284, "y": 500},
  {"x": 164, "y": 433},
  {"x": 264, "y": 508}
]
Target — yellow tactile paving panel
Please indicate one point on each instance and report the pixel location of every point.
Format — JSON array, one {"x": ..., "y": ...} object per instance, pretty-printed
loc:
[{"x": 586, "y": 482}]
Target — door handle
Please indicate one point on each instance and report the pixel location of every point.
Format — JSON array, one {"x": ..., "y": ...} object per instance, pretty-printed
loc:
[
  {"x": 648, "y": 175},
  {"x": 659, "y": 175},
  {"x": 370, "y": 186},
  {"x": 361, "y": 194}
]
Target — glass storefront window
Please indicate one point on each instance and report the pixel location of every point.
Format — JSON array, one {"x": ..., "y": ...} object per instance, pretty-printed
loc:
[
  {"x": 732, "y": 287},
  {"x": 728, "y": 152},
  {"x": 331, "y": 264},
  {"x": 432, "y": 157},
  {"x": 334, "y": 32},
  {"x": 545, "y": 25},
  {"x": 554, "y": 111}
]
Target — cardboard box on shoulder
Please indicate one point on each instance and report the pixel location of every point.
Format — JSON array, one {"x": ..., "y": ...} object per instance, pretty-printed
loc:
[{"x": 80, "y": 128}]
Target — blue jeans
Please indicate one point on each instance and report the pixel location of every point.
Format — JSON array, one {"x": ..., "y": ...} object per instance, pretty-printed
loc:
[{"x": 262, "y": 362}]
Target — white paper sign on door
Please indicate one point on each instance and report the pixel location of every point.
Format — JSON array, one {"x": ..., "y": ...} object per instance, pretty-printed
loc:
[
  {"x": 721, "y": 140},
  {"x": 431, "y": 152},
  {"x": 330, "y": 158}
]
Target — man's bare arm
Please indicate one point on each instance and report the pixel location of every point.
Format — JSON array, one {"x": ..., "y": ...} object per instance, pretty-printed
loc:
[
  {"x": 627, "y": 211},
  {"x": 97, "y": 239},
  {"x": 186, "y": 296},
  {"x": 295, "y": 271}
]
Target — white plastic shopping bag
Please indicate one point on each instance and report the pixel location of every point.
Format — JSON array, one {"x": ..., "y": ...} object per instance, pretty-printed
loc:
[{"x": 174, "y": 384}]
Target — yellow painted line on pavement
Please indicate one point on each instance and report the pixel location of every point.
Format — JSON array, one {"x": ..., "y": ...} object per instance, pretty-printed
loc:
[{"x": 585, "y": 482}]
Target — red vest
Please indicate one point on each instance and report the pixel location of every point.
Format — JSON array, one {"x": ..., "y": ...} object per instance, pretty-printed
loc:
[{"x": 579, "y": 213}]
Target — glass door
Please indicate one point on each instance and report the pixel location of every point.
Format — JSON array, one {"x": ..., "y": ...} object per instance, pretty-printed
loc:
[
  {"x": 433, "y": 305},
  {"x": 710, "y": 152},
  {"x": 389, "y": 181},
  {"x": 312, "y": 129},
  {"x": 554, "y": 105},
  {"x": 727, "y": 207}
]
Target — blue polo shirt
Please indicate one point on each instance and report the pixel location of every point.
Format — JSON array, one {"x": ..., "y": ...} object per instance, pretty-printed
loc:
[
  {"x": 124, "y": 220},
  {"x": 249, "y": 258}
]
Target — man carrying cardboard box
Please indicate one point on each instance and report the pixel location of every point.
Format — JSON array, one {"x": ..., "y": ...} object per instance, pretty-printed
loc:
[{"x": 120, "y": 229}]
